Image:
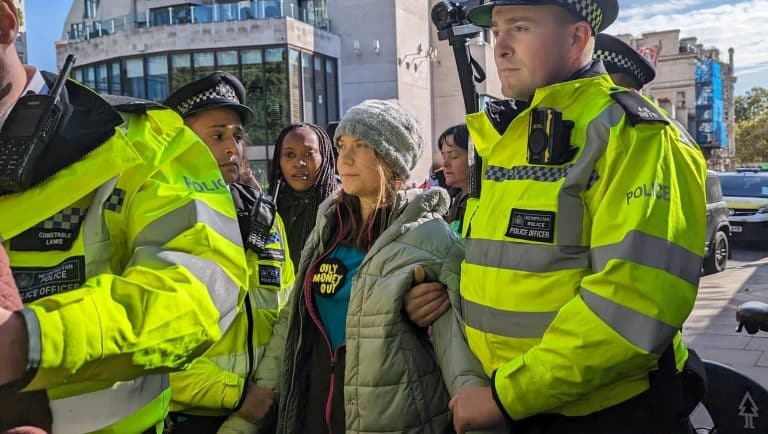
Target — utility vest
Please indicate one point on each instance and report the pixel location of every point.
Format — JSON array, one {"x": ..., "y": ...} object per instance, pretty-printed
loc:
[{"x": 579, "y": 275}]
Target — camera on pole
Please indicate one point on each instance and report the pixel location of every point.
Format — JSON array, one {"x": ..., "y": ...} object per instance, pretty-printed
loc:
[{"x": 450, "y": 19}]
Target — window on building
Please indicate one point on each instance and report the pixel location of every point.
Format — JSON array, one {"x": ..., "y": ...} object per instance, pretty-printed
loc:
[
  {"x": 90, "y": 8},
  {"x": 134, "y": 78},
  {"x": 114, "y": 78},
  {"x": 227, "y": 61},
  {"x": 681, "y": 104},
  {"x": 253, "y": 80},
  {"x": 89, "y": 77},
  {"x": 160, "y": 16},
  {"x": 276, "y": 84},
  {"x": 102, "y": 79},
  {"x": 157, "y": 77},
  {"x": 332, "y": 94},
  {"x": 321, "y": 117},
  {"x": 181, "y": 71},
  {"x": 203, "y": 63},
  {"x": 308, "y": 87},
  {"x": 77, "y": 74},
  {"x": 294, "y": 78}
]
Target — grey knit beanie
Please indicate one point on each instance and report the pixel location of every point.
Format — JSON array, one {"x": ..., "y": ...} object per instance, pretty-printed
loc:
[{"x": 392, "y": 131}]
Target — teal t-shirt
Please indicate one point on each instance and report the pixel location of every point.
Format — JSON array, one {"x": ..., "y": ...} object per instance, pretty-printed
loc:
[{"x": 331, "y": 286}]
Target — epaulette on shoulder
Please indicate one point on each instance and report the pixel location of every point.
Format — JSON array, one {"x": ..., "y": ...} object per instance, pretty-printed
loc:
[
  {"x": 638, "y": 109},
  {"x": 128, "y": 104}
]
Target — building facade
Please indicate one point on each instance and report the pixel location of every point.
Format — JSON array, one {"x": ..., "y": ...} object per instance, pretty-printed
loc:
[
  {"x": 300, "y": 60},
  {"x": 696, "y": 87},
  {"x": 21, "y": 39}
]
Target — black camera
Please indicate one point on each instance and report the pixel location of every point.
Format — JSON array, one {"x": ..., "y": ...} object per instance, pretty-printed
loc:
[
  {"x": 450, "y": 19},
  {"x": 549, "y": 138}
]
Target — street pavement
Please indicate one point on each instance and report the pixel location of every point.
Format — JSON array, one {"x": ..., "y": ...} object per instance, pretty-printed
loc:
[{"x": 711, "y": 327}]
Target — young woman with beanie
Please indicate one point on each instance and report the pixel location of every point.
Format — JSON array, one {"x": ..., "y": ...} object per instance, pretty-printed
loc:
[
  {"x": 453, "y": 145},
  {"x": 303, "y": 175},
  {"x": 344, "y": 357}
]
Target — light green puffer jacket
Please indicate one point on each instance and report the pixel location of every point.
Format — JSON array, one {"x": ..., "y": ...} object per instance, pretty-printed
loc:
[{"x": 394, "y": 381}]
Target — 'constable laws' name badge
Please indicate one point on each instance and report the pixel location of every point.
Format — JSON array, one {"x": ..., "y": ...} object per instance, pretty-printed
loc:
[{"x": 532, "y": 225}]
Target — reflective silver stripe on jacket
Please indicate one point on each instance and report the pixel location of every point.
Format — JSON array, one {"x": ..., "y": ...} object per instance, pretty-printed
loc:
[
  {"x": 650, "y": 251},
  {"x": 167, "y": 227},
  {"x": 641, "y": 330},
  {"x": 223, "y": 290},
  {"x": 534, "y": 258},
  {"x": 505, "y": 323},
  {"x": 97, "y": 410},
  {"x": 581, "y": 176}
]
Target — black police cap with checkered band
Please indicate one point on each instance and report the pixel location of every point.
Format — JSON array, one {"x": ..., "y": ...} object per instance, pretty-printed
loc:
[
  {"x": 219, "y": 89},
  {"x": 598, "y": 13},
  {"x": 617, "y": 56}
]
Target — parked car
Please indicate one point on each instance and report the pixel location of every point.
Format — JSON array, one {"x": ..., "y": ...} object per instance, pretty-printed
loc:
[
  {"x": 717, "y": 248},
  {"x": 746, "y": 193}
]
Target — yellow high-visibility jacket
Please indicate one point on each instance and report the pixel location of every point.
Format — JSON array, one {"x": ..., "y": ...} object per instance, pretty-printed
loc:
[
  {"x": 215, "y": 384},
  {"x": 578, "y": 276},
  {"x": 130, "y": 264}
]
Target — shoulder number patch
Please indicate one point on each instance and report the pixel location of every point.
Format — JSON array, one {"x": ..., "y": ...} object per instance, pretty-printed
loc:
[{"x": 637, "y": 108}]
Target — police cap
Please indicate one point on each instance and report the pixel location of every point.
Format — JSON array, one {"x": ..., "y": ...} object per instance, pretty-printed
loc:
[
  {"x": 219, "y": 89},
  {"x": 617, "y": 56},
  {"x": 598, "y": 13}
]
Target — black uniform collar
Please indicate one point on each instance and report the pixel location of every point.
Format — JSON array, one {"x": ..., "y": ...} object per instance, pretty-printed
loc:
[
  {"x": 89, "y": 122},
  {"x": 502, "y": 113}
]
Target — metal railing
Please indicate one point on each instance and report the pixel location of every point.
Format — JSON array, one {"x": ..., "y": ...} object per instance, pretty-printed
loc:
[{"x": 194, "y": 14}]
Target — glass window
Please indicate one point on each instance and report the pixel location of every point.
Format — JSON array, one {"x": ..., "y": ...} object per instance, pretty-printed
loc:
[
  {"x": 90, "y": 8},
  {"x": 744, "y": 185},
  {"x": 227, "y": 61},
  {"x": 181, "y": 14},
  {"x": 202, "y": 13},
  {"x": 294, "y": 78},
  {"x": 332, "y": 94},
  {"x": 77, "y": 75},
  {"x": 181, "y": 70},
  {"x": 89, "y": 78},
  {"x": 203, "y": 64},
  {"x": 253, "y": 80},
  {"x": 134, "y": 78},
  {"x": 101, "y": 78},
  {"x": 260, "y": 171},
  {"x": 157, "y": 77},
  {"x": 160, "y": 16},
  {"x": 276, "y": 85},
  {"x": 308, "y": 87},
  {"x": 114, "y": 78},
  {"x": 320, "y": 98}
]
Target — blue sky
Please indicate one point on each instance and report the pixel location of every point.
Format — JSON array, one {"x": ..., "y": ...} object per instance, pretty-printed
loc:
[{"x": 740, "y": 24}]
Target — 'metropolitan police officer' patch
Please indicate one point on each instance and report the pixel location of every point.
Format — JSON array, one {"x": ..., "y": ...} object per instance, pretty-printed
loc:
[{"x": 532, "y": 225}]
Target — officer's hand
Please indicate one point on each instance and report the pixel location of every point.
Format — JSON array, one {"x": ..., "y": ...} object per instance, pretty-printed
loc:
[
  {"x": 475, "y": 408},
  {"x": 13, "y": 346},
  {"x": 257, "y": 402},
  {"x": 425, "y": 302}
]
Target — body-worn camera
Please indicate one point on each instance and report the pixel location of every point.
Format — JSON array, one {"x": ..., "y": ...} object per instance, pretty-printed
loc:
[
  {"x": 549, "y": 138},
  {"x": 32, "y": 123}
]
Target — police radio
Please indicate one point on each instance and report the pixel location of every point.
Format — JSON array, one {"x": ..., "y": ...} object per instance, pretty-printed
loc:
[
  {"x": 27, "y": 131},
  {"x": 549, "y": 138}
]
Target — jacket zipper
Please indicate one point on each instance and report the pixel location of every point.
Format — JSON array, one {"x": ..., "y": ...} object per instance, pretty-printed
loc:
[
  {"x": 249, "y": 313},
  {"x": 319, "y": 325}
]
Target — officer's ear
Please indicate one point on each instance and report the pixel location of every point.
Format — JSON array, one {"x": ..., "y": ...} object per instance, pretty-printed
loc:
[
  {"x": 581, "y": 44},
  {"x": 9, "y": 22}
]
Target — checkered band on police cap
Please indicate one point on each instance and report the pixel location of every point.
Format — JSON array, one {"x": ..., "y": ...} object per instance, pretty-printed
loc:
[
  {"x": 587, "y": 9},
  {"x": 622, "y": 62},
  {"x": 221, "y": 91}
]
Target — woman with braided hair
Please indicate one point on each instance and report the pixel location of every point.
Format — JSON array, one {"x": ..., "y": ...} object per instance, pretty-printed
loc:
[{"x": 303, "y": 175}]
